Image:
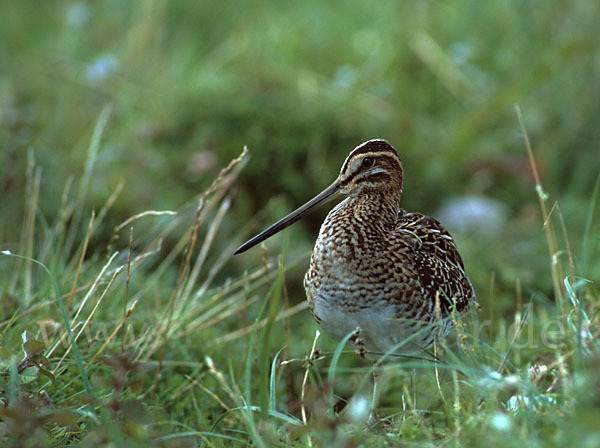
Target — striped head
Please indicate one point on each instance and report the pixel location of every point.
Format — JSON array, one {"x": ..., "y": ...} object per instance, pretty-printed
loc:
[{"x": 374, "y": 165}]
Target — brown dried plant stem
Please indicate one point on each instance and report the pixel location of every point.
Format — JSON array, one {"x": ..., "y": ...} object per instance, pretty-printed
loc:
[
  {"x": 548, "y": 228},
  {"x": 223, "y": 181}
]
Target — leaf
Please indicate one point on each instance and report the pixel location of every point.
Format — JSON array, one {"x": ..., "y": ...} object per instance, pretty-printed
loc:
[
  {"x": 29, "y": 374},
  {"x": 27, "y": 336},
  {"x": 47, "y": 373},
  {"x": 5, "y": 357},
  {"x": 33, "y": 347},
  {"x": 39, "y": 359}
]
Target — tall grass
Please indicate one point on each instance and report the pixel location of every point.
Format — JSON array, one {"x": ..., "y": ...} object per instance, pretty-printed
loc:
[
  {"x": 106, "y": 328},
  {"x": 94, "y": 354},
  {"x": 124, "y": 319}
]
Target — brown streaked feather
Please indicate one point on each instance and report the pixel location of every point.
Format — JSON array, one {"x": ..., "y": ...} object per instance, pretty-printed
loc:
[
  {"x": 396, "y": 275},
  {"x": 437, "y": 262},
  {"x": 380, "y": 268}
]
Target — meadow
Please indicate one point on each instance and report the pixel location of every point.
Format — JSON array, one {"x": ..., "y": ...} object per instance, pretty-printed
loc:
[{"x": 142, "y": 142}]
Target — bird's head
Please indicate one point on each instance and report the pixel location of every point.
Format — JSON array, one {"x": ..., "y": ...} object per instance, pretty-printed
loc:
[{"x": 372, "y": 166}]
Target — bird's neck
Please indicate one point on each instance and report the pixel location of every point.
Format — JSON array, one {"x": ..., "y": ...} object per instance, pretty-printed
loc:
[{"x": 376, "y": 208}]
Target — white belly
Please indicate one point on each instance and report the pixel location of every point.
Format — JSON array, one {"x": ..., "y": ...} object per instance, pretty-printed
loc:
[{"x": 380, "y": 330}]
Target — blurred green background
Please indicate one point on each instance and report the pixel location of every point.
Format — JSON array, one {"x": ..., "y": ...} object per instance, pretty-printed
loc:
[
  {"x": 301, "y": 83},
  {"x": 185, "y": 85}
]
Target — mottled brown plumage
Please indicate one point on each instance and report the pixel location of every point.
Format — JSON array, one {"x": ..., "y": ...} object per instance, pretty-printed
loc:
[{"x": 395, "y": 275}]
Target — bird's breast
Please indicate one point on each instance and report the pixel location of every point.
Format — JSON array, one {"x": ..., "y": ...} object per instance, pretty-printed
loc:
[{"x": 348, "y": 267}]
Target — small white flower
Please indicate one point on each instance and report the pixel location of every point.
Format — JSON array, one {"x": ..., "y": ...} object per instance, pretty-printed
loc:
[
  {"x": 101, "y": 68},
  {"x": 358, "y": 412},
  {"x": 501, "y": 421}
]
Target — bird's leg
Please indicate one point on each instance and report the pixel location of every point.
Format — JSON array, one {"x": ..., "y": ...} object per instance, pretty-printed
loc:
[{"x": 377, "y": 377}]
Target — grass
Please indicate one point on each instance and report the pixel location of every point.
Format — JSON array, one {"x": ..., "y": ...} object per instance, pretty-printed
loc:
[
  {"x": 102, "y": 360},
  {"x": 124, "y": 318}
]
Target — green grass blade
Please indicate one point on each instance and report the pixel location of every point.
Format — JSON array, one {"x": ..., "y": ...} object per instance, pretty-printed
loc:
[
  {"x": 588, "y": 245},
  {"x": 273, "y": 382},
  {"x": 334, "y": 362},
  {"x": 65, "y": 318}
]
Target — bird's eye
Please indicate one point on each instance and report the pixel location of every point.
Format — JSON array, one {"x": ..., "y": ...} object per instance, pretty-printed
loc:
[{"x": 368, "y": 162}]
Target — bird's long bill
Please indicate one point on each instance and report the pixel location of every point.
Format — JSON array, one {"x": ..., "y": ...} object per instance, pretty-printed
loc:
[{"x": 327, "y": 194}]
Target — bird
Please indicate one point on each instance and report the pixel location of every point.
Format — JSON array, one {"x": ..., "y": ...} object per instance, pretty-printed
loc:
[{"x": 393, "y": 277}]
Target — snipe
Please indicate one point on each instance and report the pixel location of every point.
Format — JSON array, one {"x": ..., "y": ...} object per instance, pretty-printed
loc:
[{"x": 395, "y": 275}]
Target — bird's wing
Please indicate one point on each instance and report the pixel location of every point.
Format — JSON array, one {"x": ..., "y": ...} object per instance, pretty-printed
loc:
[{"x": 436, "y": 261}]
